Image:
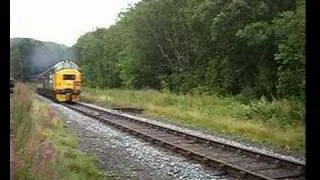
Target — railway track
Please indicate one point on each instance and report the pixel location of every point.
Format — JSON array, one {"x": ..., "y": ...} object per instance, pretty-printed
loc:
[{"x": 231, "y": 160}]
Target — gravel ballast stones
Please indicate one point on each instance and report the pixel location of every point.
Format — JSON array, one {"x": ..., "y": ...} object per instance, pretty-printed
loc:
[
  {"x": 227, "y": 140},
  {"x": 127, "y": 156}
]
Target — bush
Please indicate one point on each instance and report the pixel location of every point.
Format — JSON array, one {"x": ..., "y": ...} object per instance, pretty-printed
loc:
[{"x": 283, "y": 112}]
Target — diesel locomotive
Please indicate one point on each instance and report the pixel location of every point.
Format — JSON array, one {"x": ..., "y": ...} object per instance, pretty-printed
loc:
[{"x": 61, "y": 82}]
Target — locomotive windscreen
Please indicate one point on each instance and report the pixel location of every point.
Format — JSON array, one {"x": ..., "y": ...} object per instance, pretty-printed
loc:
[{"x": 69, "y": 77}]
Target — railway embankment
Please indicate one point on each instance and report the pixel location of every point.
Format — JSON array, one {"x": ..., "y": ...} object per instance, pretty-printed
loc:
[
  {"x": 44, "y": 147},
  {"x": 275, "y": 126}
]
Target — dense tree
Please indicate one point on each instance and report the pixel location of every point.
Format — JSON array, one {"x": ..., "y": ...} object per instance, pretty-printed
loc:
[{"x": 252, "y": 48}]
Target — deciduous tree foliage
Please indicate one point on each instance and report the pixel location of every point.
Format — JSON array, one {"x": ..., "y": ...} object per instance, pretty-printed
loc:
[{"x": 251, "y": 48}]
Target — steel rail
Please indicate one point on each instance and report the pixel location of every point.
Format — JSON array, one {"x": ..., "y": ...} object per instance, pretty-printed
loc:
[{"x": 213, "y": 162}]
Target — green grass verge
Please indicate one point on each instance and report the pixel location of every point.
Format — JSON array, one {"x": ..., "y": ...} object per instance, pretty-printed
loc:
[
  {"x": 44, "y": 148},
  {"x": 276, "y": 123}
]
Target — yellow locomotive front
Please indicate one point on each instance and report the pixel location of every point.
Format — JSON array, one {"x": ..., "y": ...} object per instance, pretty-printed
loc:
[
  {"x": 67, "y": 85},
  {"x": 61, "y": 82}
]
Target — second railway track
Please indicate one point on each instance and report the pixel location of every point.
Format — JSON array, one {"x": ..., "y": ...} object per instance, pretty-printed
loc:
[{"x": 233, "y": 161}]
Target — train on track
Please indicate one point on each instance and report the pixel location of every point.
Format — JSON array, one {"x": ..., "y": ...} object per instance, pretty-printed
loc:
[{"x": 61, "y": 82}]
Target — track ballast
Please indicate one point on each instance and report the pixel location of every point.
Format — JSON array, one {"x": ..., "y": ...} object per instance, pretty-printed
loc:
[{"x": 233, "y": 161}]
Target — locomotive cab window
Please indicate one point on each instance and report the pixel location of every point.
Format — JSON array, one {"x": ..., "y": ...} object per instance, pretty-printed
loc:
[{"x": 69, "y": 77}]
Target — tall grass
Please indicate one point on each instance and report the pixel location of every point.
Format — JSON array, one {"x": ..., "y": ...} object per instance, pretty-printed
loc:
[
  {"x": 44, "y": 149},
  {"x": 276, "y": 123}
]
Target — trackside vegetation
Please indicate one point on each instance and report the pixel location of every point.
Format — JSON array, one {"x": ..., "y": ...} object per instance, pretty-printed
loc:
[
  {"x": 248, "y": 48},
  {"x": 277, "y": 123},
  {"x": 228, "y": 66},
  {"x": 231, "y": 66},
  {"x": 44, "y": 148}
]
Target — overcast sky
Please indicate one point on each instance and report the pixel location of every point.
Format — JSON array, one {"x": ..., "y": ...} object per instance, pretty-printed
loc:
[{"x": 62, "y": 21}]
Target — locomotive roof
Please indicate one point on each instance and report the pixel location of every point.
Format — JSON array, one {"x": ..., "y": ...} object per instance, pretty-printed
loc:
[
  {"x": 66, "y": 61},
  {"x": 61, "y": 64}
]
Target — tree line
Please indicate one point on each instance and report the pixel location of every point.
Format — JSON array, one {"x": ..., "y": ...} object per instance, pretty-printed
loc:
[
  {"x": 248, "y": 48},
  {"x": 251, "y": 48}
]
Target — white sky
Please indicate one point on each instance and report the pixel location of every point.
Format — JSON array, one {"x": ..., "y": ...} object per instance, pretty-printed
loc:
[{"x": 62, "y": 21}]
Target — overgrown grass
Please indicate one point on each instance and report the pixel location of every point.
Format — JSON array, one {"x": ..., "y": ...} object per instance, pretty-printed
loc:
[
  {"x": 276, "y": 123},
  {"x": 44, "y": 149}
]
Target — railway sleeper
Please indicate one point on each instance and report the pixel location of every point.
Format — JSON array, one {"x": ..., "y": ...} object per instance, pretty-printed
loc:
[{"x": 279, "y": 173}]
